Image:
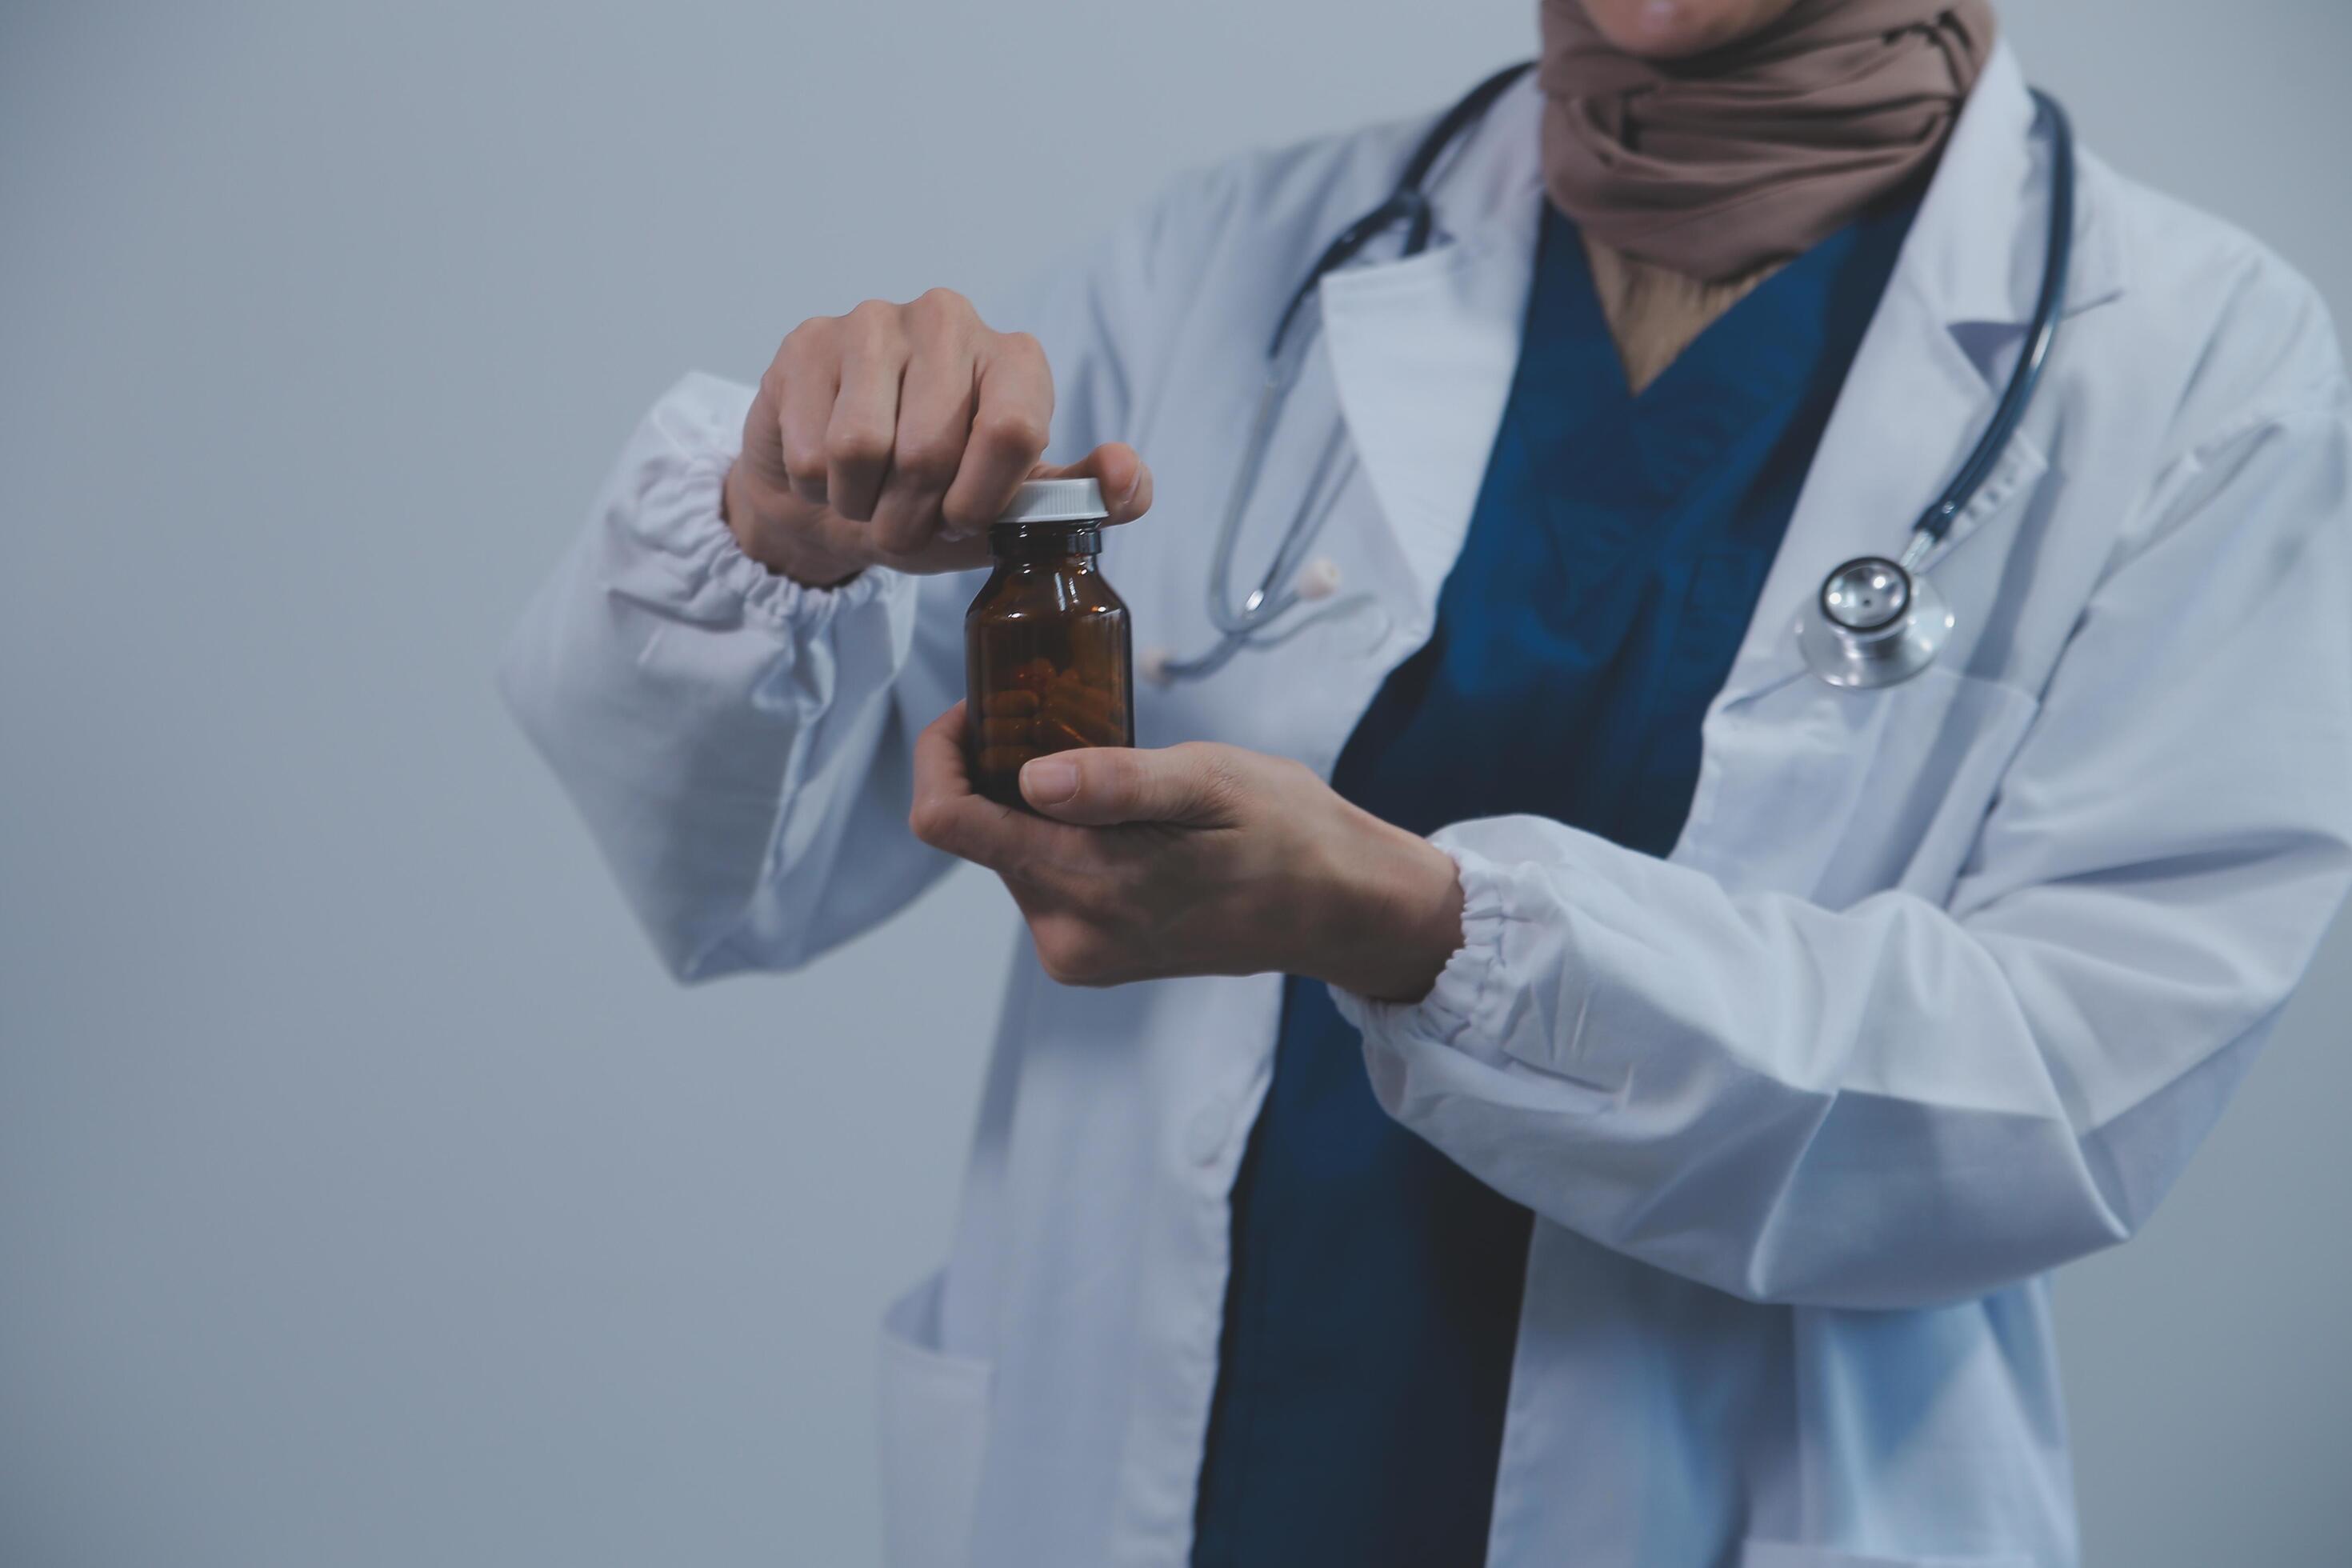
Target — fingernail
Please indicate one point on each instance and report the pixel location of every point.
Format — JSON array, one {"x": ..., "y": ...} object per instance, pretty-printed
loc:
[
  {"x": 1049, "y": 782},
  {"x": 1133, "y": 485}
]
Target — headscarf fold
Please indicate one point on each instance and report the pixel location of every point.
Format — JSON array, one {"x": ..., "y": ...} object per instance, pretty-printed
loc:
[{"x": 1744, "y": 157}]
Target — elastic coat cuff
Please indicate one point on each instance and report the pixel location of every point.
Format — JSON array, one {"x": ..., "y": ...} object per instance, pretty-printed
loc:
[
  {"x": 1467, "y": 1009},
  {"x": 688, "y": 564}
]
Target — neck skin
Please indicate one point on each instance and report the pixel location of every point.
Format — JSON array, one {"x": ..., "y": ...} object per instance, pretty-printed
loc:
[
  {"x": 1695, "y": 173},
  {"x": 1654, "y": 312}
]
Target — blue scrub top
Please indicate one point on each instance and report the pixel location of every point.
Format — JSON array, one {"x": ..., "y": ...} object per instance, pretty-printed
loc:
[{"x": 1611, "y": 568}]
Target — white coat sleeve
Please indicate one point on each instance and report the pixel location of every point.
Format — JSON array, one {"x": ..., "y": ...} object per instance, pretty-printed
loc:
[
  {"x": 739, "y": 744},
  {"x": 1898, "y": 1104}
]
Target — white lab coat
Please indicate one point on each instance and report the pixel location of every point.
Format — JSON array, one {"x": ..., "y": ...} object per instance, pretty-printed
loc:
[{"x": 1939, "y": 990}]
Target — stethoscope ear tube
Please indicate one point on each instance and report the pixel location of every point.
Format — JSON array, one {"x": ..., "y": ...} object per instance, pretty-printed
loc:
[{"x": 1273, "y": 597}]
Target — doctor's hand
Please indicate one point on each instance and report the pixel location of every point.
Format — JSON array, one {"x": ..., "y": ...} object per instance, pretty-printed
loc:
[
  {"x": 1197, "y": 859},
  {"x": 893, "y": 436}
]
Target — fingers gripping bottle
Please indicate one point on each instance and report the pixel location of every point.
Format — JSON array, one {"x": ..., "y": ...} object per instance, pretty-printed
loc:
[{"x": 1048, "y": 655}]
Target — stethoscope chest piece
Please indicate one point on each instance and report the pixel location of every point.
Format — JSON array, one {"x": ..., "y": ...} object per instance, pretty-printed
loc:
[{"x": 1873, "y": 624}]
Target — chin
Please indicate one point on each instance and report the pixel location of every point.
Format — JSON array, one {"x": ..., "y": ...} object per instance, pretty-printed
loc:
[{"x": 1669, "y": 29}]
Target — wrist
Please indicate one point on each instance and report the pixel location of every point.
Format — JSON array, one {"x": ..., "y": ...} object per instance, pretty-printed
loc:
[
  {"x": 766, "y": 534},
  {"x": 1394, "y": 916}
]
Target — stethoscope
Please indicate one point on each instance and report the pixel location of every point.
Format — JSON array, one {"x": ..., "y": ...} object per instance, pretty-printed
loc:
[{"x": 1878, "y": 619}]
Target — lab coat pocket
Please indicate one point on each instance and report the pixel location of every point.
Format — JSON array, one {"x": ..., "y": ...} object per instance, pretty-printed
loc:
[
  {"x": 934, "y": 1427},
  {"x": 1782, "y": 1554},
  {"x": 1834, "y": 794}
]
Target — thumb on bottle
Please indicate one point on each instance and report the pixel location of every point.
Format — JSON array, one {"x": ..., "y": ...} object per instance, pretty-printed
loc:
[
  {"x": 1106, "y": 785},
  {"x": 1125, "y": 478}
]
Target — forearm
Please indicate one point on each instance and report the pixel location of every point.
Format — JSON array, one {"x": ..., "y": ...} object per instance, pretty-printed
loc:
[
  {"x": 725, "y": 733},
  {"x": 748, "y": 506},
  {"x": 1390, "y": 915},
  {"x": 1780, "y": 1101},
  {"x": 1874, "y": 1107}
]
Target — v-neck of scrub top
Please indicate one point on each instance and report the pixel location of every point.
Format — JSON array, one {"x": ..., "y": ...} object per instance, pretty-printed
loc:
[{"x": 1612, "y": 562}]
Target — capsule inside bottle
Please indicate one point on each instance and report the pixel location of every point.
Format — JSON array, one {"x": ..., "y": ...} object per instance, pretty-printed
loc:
[{"x": 1048, "y": 653}]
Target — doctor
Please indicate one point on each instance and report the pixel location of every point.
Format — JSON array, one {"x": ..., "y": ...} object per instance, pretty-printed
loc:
[{"x": 1521, "y": 1070}]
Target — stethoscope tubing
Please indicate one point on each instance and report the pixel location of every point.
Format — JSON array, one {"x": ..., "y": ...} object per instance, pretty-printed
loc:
[
  {"x": 1252, "y": 624},
  {"x": 2049, "y": 308}
]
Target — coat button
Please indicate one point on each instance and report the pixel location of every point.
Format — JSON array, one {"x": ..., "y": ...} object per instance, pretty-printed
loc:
[{"x": 1204, "y": 1135}]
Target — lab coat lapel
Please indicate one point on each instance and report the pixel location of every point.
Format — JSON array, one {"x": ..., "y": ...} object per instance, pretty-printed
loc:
[
  {"x": 1912, "y": 406},
  {"x": 1422, "y": 350},
  {"x": 1926, "y": 380}
]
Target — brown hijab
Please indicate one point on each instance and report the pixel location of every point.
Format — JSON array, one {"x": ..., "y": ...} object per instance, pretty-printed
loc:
[{"x": 1724, "y": 162}]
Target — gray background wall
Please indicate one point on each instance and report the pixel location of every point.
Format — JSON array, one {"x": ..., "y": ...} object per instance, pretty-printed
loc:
[{"x": 367, "y": 1196}]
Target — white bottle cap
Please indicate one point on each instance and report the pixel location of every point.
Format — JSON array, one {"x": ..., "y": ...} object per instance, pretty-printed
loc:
[{"x": 1057, "y": 500}]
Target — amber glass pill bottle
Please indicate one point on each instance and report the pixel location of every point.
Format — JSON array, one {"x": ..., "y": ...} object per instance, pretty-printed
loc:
[{"x": 1048, "y": 658}]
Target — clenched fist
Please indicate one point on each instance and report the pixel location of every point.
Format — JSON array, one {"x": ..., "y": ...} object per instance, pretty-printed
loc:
[{"x": 893, "y": 436}]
